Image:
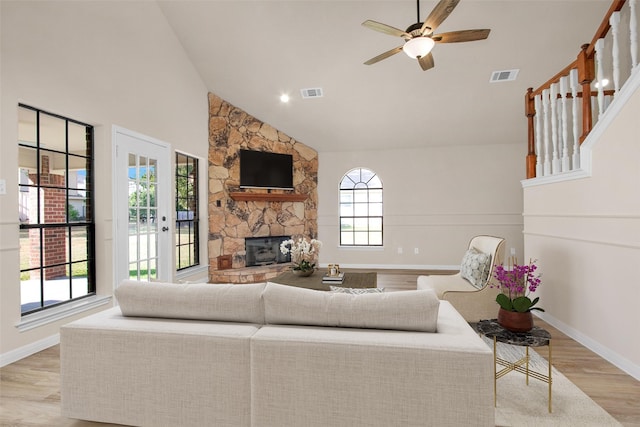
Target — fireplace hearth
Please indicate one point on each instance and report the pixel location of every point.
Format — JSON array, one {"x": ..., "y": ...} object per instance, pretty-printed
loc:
[{"x": 265, "y": 251}]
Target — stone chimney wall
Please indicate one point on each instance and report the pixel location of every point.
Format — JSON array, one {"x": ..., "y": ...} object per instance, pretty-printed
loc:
[{"x": 230, "y": 220}]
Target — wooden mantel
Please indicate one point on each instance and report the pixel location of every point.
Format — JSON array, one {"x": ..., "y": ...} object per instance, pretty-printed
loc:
[{"x": 267, "y": 197}]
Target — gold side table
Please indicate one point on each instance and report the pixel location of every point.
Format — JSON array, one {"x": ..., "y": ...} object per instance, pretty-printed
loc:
[{"x": 536, "y": 337}]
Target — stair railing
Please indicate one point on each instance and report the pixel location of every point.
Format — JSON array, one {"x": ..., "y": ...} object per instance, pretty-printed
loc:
[{"x": 559, "y": 115}]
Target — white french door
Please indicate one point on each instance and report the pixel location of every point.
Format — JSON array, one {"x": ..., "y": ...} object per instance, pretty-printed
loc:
[{"x": 142, "y": 220}]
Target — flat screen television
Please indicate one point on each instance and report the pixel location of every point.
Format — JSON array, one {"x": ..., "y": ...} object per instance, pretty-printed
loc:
[{"x": 262, "y": 169}]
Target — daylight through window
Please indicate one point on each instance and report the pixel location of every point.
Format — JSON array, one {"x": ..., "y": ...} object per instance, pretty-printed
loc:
[
  {"x": 57, "y": 261},
  {"x": 361, "y": 208},
  {"x": 187, "y": 221}
]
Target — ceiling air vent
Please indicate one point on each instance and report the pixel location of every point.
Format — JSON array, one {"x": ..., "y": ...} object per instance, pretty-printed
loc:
[
  {"x": 315, "y": 92},
  {"x": 503, "y": 76}
]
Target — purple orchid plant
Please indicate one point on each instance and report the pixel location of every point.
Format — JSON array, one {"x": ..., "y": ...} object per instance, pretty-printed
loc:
[{"x": 516, "y": 285}]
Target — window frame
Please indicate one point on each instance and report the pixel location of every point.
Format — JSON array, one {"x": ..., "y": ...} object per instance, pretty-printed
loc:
[
  {"x": 86, "y": 221},
  {"x": 193, "y": 224},
  {"x": 359, "y": 191}
]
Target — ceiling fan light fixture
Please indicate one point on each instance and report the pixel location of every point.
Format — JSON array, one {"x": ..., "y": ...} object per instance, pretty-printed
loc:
[{"x": 418, "y": 47}]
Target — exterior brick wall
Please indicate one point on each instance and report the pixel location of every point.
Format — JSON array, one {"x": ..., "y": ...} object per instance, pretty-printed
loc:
[{"x": 52, "y": 210}]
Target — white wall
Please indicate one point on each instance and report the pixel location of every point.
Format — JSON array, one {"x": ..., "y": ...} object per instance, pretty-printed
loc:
[
  {"x": 586, "y": 235},
  {"x": 104, "y": 63},
  {"x": 435, "y": 199}
]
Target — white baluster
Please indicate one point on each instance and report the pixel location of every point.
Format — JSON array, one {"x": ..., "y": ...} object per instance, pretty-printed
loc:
[
  {"x": 600, "y": 75},
  {"x": 565, "y": 132},
  {"x": 539, "y": 134},
  {"x": 547, "y": 146},
  {"x": 633, "y": 30},
  {"x": 573, "y": 82},
  {"x": 555, "y": 163},
  {"x": 614, "y": 21}
]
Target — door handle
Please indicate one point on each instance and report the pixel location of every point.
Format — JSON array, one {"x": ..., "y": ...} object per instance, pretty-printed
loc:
[{"x": 165, "y": 228}]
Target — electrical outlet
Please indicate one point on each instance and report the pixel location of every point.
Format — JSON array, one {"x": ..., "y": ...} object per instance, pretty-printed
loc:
[
  {"x": 416, "y": 251},
  {"x": 3, "y": 186},
  {"x": 399, "y": 251},
  {"x": 513, "y": 251}
]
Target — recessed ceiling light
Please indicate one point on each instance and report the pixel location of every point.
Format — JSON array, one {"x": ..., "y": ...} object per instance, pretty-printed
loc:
[{"x": 284, "y": 98}]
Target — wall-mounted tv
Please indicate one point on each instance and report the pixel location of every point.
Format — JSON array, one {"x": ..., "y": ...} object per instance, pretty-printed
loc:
[{"x": 263, "y": 169}]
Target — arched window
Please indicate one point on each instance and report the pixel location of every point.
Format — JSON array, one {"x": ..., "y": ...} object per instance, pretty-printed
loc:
[{"x": 361, "y": 208}]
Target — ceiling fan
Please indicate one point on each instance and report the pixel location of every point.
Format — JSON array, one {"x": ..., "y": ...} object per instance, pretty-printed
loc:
[{"x": 419, "y": 37}]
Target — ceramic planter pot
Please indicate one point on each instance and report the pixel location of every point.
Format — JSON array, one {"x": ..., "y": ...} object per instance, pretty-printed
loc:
[{"x": 515, "y": 321}]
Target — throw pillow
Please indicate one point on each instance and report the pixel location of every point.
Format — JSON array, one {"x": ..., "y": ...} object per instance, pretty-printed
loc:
[
  {"x": 475, "y": 267},
  {"x": 355, "y": 291}
]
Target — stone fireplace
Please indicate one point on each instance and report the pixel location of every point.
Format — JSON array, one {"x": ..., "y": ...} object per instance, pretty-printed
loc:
[
  {"x": 237, "y": 214},
  {"x": 261, "y": 251}
]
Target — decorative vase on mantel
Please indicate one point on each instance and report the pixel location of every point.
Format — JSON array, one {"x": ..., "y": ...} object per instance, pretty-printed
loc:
[
  {"x": 303, "y": 273},
  {"x": 515, "y": 321}
]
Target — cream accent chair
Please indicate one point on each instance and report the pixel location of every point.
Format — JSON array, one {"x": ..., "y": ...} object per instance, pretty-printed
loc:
[{"x": 472, "y": 303}]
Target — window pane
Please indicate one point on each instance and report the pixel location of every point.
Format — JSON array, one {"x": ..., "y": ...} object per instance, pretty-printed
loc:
[
  {"x": 375, "y": 224},
  {"x": 346, "y": 183},
  {"x": 53, "y": 168},
  {"x": 375, "y": 238},
  {"x": 375, "y": 209},
  {"x": 361, "y": 209},
  {"x": 29, "y": 250},
  {"x": 361, "y": 238},
  {"x": 78, "y": 139},
  {"x": 366, "y": 175},
  {"x": 27, "y": 126},
  {"x": 79, "y": 282},
  {"x": 346, "y": 238},
  {"x": 52, "y": 133},
  {"x": 55, "y": 290},
  {"x": 361, "y": 196},
  {"x": 361, "y": 224},
  {"x": 346, "y": 210},
  {"x": 28, "y": 210},
  {"x": 375, "y": 196},
  {"x": 354, "y": 176},
  {"x": 346, "y": 224},
  {"x": 79, "y": 244},
  {"x": 375, "y": 182},
  {"x": 153, "y": 166},
  {"x": 346, "y": 196}
]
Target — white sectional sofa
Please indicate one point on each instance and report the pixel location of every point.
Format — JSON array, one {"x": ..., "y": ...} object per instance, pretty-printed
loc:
[{"x": 274, "y": 355}]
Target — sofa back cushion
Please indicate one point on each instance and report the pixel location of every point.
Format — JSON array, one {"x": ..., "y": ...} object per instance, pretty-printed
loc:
[
  {"x": 200, "y": 301},
  {"x": 407, "y": 310}
]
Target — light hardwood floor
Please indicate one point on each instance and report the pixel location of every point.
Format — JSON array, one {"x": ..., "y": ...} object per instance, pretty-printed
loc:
[{"x": 30, "y": 388}]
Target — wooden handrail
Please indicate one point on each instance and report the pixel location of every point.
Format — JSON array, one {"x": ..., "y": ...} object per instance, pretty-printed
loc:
[{"x": 585, "y": 65}]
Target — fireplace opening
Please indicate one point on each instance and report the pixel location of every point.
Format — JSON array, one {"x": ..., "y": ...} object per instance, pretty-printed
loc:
[{"x": 265, "y": 250}]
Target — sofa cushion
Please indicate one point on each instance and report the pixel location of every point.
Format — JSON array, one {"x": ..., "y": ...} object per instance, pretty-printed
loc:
[
  {"x": 475, "y": 267},
  {"x": 407, "y": 310},
  {"x": 202, "y": 301}
]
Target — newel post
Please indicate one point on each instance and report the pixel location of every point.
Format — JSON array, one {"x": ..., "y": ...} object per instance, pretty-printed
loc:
[
  {"x": 586, "y": 70},
  {"x": 530, "y": 112}
]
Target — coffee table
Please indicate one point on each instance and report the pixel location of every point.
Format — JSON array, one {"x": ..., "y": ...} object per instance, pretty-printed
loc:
[{"x": 351, "y": 280}]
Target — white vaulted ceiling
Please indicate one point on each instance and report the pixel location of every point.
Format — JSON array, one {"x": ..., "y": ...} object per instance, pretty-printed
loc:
[{"x": 251, "y": 52}]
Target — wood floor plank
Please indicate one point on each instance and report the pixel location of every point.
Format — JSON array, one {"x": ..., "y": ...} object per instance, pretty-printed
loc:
[{"x": 30, "y": 388}]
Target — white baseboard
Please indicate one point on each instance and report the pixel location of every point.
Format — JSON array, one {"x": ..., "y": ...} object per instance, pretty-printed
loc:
[
  {"x": 29, "y": 349},
  {"x": 604, "y": 352},
  {"x": 397, "y": 266}
]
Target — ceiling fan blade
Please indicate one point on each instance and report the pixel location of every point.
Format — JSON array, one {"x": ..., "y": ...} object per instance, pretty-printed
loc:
[
  {"x": 384, "y": 55},
  {"x": 438, "y": 15},
  {"x": 461, "y": 36},
  {"x": 384, "y": 28},
  {"x": 426, "y": 62}
]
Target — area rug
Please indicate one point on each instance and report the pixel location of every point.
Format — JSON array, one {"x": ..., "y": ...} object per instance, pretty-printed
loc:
[{"x": 522, "y": 405}]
